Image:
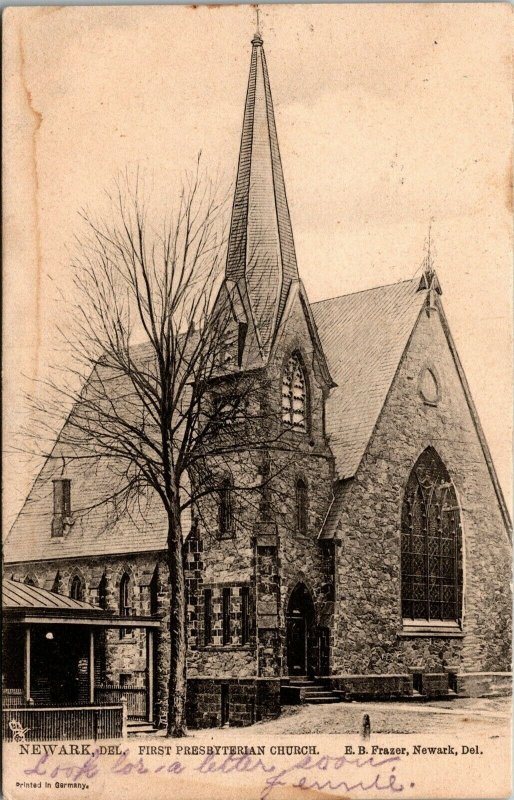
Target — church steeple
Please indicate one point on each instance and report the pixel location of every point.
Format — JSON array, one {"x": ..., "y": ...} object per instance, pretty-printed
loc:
[{"x": 261, "y": 257}]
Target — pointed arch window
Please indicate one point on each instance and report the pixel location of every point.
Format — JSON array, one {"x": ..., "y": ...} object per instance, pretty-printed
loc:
[
  {"x": 431, "y": 544},
  {"x": 225, "y": 509},
  {"x": 77, "y": 588},
  {"x": 301, "y": 506},
  {"x": 294, "y": 394}
]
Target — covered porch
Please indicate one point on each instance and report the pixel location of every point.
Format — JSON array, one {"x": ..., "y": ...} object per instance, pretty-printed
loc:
[{"x": 52, "y": 645}]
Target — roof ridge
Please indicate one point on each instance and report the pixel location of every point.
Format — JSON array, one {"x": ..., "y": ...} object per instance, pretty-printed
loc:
[{"x": 362, "y": 291}]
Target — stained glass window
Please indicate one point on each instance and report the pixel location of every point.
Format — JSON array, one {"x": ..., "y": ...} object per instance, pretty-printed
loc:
[
  {"x": 294, "y": 395},
  {"x": 431, "y": 543}
]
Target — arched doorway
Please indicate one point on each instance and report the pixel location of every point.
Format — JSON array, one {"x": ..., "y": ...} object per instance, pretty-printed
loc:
[{"x": 300, "y": 628}]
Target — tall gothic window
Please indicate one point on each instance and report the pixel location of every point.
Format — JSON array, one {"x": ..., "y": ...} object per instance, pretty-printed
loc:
[
  {"x": 431, "y": 544},
  {"x": 225, "y": 511},
  {"x": 301, "y": 507},
  {"x": 294, "y": 394}
]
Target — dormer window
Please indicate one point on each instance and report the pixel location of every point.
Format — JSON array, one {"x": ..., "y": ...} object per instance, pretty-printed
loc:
[
  {"x": 62, "y": 505},
  {"x": 294, "y": 395}
]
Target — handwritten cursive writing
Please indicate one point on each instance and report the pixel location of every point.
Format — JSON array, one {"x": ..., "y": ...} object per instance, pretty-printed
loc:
[{"x": 320, "y": 773}]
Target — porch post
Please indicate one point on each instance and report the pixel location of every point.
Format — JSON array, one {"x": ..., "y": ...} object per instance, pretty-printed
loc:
[
  {"x": 91, "y": 665},
  {"x": 149, "y": 674},
  {"x": 26, "y": 665}
]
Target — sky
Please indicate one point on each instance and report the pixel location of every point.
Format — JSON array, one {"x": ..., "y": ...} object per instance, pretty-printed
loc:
[{"x": 389, "y": 117}]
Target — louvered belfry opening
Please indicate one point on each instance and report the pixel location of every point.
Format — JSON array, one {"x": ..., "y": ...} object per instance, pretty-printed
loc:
[
  {"x": 431, "y": 544},
  {"x": 294, "y": 394}
]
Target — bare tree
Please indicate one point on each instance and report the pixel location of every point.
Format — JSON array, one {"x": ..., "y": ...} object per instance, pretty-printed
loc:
[{"x": 154, "y": 412}]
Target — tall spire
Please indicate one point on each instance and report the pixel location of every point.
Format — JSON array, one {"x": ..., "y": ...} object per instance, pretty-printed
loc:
[{"x": 261, "y": 256}]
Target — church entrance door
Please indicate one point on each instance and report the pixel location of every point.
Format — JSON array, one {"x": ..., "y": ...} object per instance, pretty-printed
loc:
[{"x": 300, "y": 623}]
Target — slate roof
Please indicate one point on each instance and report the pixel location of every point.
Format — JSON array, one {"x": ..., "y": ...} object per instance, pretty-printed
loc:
[
  {"x": 96, "y": 530},
  {"x": 363, "y": 336},
  {"x": 261, "y": 255},
  {"x": 20, "y": 595}
]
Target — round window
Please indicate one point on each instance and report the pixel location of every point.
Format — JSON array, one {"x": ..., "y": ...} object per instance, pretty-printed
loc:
[{"x": 428, "y": 386}]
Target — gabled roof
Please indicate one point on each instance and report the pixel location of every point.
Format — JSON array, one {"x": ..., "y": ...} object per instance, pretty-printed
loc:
[{"x": 363, "y": 337}]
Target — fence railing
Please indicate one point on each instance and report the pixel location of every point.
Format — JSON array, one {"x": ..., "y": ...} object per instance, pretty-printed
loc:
[
  {"x": 56, "y": 724},
  {"x": 12, "y": 698},
  {"x": 136, "y": 699}
]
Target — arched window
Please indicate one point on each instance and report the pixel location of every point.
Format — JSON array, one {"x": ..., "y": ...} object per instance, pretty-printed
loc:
[
  {"x": 102, "y": 592},
  {"x": 294, "y": 394},
  {"x": 76, "y": 588},
  {"x": 301, "y": 506},
  {"x": 431, "y": 544},
  {"x": 225, "y": 512}
]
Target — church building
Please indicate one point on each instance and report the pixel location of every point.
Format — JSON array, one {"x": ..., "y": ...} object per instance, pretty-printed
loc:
[{"x": 381, "y": 571}]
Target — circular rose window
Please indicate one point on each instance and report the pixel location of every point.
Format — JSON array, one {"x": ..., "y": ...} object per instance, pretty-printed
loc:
[{"x": 428, "y": 386}]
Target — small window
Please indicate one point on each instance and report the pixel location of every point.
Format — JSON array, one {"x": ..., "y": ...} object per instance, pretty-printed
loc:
[
  {"x": 225, "y": 516},
  {"x": 301, "y": 507},
  {"x": 125, "y": 609},
  {"x": 228, "y": 409},
  {"x": 245, "y": 615},
  {"x": 226, "y": 616},
  {"x": 429, "y": 386},
  {"x": 207, "y": 612},
  {"x": 102, "y": 592},
  {"x": 77, "y": 589},
  {"x": 294, "y": 395},
  {"x": 154, "y": 592},
  {"x": 125, "y": 678}
]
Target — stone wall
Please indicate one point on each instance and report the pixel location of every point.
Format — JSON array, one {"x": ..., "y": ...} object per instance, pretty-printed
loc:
[
  {"x": 265, "y": 551},
  {"x": 369, "y": 636},
  {"x": 212, "y": 702}
]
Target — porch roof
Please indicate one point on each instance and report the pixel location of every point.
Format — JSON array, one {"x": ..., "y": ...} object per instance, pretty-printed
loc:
[{"x": 30, "y": 604}]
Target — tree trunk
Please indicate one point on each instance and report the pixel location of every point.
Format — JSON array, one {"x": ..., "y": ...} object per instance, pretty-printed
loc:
[{"x": 177, "y": 680}]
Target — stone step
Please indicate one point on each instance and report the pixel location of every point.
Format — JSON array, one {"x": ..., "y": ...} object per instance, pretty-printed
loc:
[
  {"x": 136, "y": 726},
  {"x": 321, "y": 700},
  {"x": 302, "y": 683}
]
